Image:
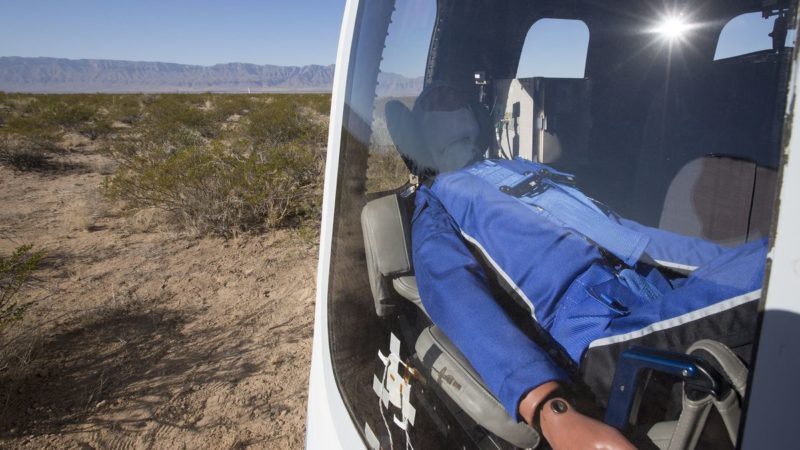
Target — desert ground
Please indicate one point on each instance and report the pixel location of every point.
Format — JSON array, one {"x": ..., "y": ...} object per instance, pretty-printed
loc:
[{"x": 144, "y": 335}]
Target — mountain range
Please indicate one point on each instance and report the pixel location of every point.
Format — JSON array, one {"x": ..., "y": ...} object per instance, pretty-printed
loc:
[{"x": 57, "y": 75}]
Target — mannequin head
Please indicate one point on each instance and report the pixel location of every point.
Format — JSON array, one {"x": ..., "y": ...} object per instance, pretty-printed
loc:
[{"x": 448, "y": 127}]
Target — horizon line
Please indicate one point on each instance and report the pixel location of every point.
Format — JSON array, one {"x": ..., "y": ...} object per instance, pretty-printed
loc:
[{"x": 164, "y": 62}]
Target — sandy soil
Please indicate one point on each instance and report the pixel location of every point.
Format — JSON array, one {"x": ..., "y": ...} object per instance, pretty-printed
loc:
[{"x": 146, "y": 338}]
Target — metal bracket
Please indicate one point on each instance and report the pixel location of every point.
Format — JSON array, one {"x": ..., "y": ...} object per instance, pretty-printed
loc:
[{"x": 700, "y": 379}]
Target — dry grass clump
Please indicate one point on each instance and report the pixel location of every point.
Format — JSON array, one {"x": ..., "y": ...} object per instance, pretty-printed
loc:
[{"x": 16, "y": 271}]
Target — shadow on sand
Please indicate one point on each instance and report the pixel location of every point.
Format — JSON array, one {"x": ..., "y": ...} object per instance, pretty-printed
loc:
[{"x": 125, "y": 362}]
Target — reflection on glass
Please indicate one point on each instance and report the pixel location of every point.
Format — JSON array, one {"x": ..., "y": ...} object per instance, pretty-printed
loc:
[{"x": 640, "y": 161}]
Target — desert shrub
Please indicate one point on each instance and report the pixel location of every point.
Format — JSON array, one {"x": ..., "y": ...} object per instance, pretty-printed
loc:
[
  {"x": 5, "y": 108},
  {"x": 321, "y": 103},
  {"x": 23, "y": 159},
  {"x": 278, "y": 122},
  {"x": 180, "y": 153},
  {"x": 267, "y": 173},
  {"x": 220, "y": 190},
  {"x": 168, "y": 112},
  {"x": 230, "y": 104},
  {"x": 30, "y": 125},
  {"x": 68, "y": 114},
  {"x": 15, "y": 272},
  {"x": 95, "y": 128},
  {"x": 24, "y": 154},
  {"x": 125, "y": 108},
  {"x": 43, "y": 117},
  {"x": 26, "y": 140}
]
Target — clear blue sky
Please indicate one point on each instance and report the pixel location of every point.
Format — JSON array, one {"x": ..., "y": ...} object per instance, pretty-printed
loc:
[{"x": 206, "y": 32}]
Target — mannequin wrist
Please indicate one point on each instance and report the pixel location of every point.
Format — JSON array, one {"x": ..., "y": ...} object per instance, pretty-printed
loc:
[{"x": 532, "y": 403}]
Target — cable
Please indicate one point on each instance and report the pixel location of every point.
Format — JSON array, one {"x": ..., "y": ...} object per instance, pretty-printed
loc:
[
  {"x": 508, "y": 140},
  {"x": 405, "y": 420},
  {"x": 380, "y": 402}
]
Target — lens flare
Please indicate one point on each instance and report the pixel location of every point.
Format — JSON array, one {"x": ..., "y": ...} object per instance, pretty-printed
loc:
[{"x": 672, "y": 28}]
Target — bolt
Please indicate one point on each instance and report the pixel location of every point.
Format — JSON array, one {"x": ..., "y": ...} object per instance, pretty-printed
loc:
[{"x": 558, "y": 406}]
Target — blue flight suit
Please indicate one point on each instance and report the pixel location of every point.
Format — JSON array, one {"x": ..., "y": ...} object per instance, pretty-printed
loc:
[{"x": 544, "y": 245}]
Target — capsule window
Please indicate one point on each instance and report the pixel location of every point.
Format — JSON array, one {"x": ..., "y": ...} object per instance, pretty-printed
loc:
[
  {"x": 555, "y": 48},
  {"x": 749, "y": 33}
]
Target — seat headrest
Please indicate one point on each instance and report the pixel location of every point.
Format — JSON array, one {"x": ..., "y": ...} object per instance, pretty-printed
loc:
[
  {"x": 404, "y": 133},
  {"x": 712, "y": 197},
  {"x": 443, "y": 132}
]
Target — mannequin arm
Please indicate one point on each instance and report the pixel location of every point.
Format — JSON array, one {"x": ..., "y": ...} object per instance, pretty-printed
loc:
[{"x": 564, "y": 427}]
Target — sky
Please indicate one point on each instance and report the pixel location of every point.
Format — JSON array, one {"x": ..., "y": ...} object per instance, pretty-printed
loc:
[
  {"x": 281, "y": 32},
  {"x": 408, "y": 37},
  {"x": 204, "y": 32}
]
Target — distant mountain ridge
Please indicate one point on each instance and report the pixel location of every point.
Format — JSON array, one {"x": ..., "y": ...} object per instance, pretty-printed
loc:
[{"x": 56, "y": 75}]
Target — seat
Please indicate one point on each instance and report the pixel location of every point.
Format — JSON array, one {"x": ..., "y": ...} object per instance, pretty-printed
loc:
[
  {"x": 723, "y": 199},
  {"x": 406, "y": 286},
  {"x": 387, "y": 230},
  {"x": 386, "y": 227},
  {"x": 403, "y": 129},
  {"x": 385, "y": 224},
  {"x": 449, "y": 369},
  {"x": 403, "y": 126}
]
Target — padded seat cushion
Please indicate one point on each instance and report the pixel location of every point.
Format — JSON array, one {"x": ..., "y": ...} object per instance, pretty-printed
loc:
[
  {"x": 407, "y": 287},
  {"x": 710, "y": 198},
  {"x": 723, "y": 199},
  {"x": 449, "y": 369},
  {"x": 386, "y": 227}
]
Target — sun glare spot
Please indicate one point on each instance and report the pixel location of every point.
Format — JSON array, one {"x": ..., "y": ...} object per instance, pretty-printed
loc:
[{"x": 672, "y": 28}]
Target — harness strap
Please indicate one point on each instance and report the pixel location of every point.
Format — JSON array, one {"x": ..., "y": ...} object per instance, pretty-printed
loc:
[{"x": 550, "y": 193}]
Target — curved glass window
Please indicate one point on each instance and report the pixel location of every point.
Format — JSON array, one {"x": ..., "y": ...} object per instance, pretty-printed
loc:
[
  {"x": 554, "y": 48},
  {"x": 750, "y": 33},
  {"x": 515, "y": 205},
  {"x": 401, "y": 78}
]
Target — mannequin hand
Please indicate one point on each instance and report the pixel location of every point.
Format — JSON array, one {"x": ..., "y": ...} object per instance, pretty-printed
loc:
[
  {"x": 567, "y": 429},
  {"x": 564, "y": 427}
]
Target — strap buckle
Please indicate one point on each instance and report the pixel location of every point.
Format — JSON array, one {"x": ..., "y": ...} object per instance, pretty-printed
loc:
[{"x": 534, "y": 183}]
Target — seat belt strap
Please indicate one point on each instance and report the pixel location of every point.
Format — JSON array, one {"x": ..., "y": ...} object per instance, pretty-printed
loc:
[{"x": 549, "y": 193}]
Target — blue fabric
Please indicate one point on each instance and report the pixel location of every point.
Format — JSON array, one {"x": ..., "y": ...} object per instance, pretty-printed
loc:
[
  {"x": 565, "y": 206},
  {"x": 643, "y": 286},
  {"x": 557, "y": 270},
  {"x": 669, "y": 247},
  {"x": 456, "y": 295}
]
